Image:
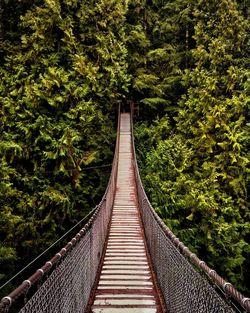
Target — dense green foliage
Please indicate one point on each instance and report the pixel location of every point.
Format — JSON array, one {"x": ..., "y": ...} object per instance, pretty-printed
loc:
[
  {"x": 195, "y": 162},
  {"x": 64, "y": 66},
  {"x": 59, "y": 86}
]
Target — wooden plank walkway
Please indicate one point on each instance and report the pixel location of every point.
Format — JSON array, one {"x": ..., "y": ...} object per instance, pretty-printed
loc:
[{"x": 126, "y": 282}]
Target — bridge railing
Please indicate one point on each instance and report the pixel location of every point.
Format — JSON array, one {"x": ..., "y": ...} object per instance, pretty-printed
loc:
[
  {"x": 69, "y": 276},
  {"x": 185, "y": 281}
]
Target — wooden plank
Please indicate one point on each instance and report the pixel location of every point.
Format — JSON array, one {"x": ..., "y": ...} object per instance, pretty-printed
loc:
[{"x": 126, "y": 281}]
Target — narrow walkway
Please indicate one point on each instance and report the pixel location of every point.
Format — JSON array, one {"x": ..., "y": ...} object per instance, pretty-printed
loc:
[{"x": 126, "y": 282}]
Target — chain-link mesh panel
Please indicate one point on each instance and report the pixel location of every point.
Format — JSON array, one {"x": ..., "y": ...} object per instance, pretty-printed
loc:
[
  {"x": 68, "y": 287},
  {"x": 184, "y": 289}
]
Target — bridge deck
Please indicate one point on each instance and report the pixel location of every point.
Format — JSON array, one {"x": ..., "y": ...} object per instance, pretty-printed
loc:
[{"x": 126, "y": 283}]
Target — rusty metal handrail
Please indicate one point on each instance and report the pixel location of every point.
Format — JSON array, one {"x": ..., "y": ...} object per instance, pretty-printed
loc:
[
  {"x": 227, "y": 288},
  {"x": 108, "y": 197}
]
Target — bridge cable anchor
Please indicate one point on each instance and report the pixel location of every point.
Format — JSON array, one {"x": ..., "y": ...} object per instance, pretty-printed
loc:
[
  {"x": 28, "y": 282},
  {"x": 9, "y": 299},
  {"x": 225, "y": 285},
  {"x": 244, "y": 300},
  {"x": 41, "y": 271}
]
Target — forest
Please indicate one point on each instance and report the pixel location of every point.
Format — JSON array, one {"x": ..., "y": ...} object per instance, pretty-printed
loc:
[{"x": 65, "y": 65}]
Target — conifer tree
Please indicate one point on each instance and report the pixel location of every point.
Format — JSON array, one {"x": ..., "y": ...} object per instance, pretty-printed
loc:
[
  {"x": 58, "y": 90},
  {"x": 196, "y": 173},
  {"x": 159, "y": 44}
]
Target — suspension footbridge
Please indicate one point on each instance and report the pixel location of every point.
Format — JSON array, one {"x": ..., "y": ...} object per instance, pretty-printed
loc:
[{"x": 125, "y": 259}]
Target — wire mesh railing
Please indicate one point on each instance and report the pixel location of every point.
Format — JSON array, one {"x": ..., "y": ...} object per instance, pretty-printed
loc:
[
  {"x": 184, "y": 279},
  {"x": 70, "y": 275}
]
